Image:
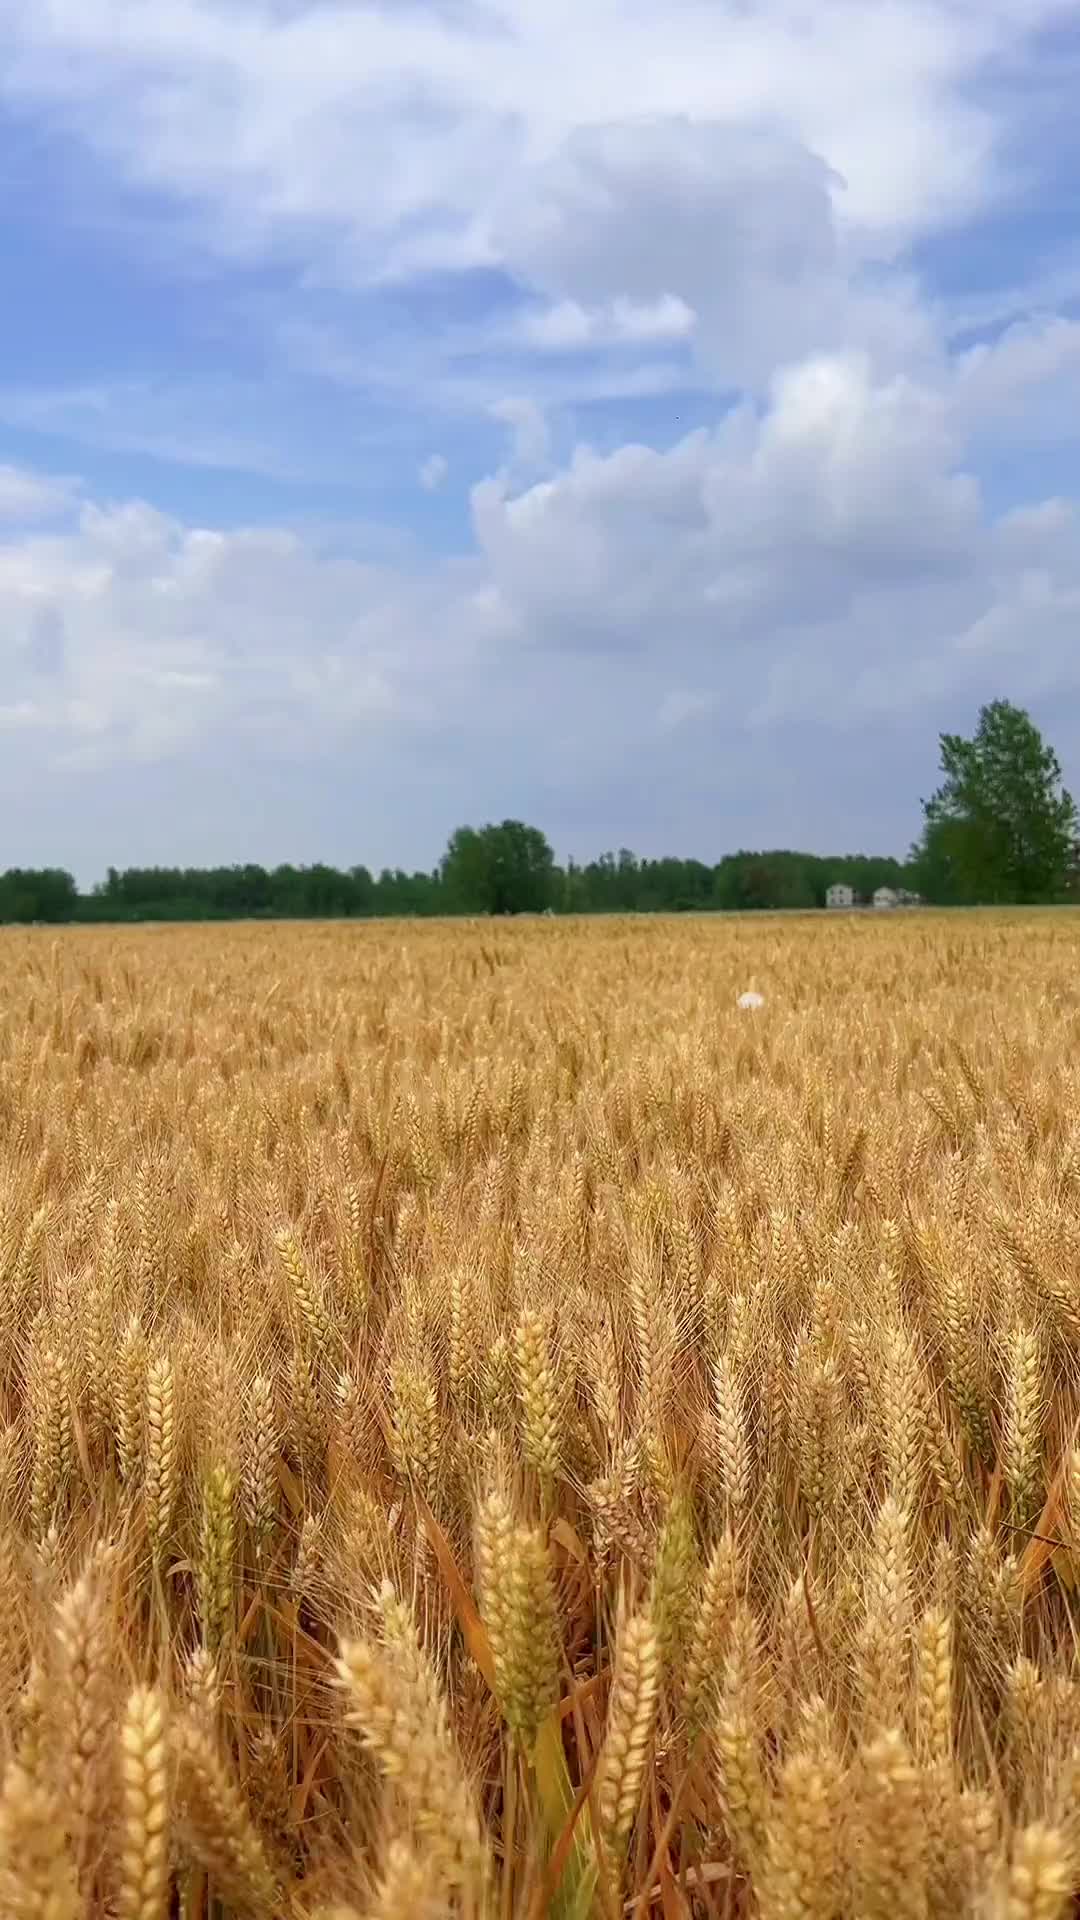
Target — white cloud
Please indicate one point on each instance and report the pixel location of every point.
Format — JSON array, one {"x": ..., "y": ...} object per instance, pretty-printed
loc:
[
  {"x": 569, "y": 327},
  {"x": 679, "y": 705},
  {"x": 433, "y": 472},
  {"x": 31, "y": 496},
  {"x": 666, "y": 199},
  {"x": 396, "y": 126},
  {"x": 1025, "y": 384},
  {"x": 825, "y": 562},
  {"x": 737, "y": 224},
  {"x": 737, "y": 187},
  {"x": 843, "y": 483},
  {"x": 529, "y": 435},
  {"x": 173, "y": 637}
]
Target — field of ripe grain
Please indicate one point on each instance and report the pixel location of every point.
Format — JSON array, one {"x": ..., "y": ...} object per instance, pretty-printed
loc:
[{"x": 489, "y": 1427}]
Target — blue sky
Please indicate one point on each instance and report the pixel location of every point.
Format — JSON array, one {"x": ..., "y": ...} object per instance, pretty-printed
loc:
[{"x": 658, "y": 421}]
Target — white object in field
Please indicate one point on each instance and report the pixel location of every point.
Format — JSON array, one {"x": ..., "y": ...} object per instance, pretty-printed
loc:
[{"x": 751, "y": 999}]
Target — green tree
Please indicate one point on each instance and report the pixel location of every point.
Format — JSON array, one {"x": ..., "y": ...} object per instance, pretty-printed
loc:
[
  {"x": 508, "y": 868},
  {"x": 37, "y": 893},
  {"x": 1001, "y": 827}
]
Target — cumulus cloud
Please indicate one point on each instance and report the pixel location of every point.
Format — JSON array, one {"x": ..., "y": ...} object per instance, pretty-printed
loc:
[
  {"x": 530, "y": 440},
  {"x": 1025, "y": 384},
  {"x": 130, "y": 636},
  {"x": 271, "y": 115},
  {"x": 843, "y": 482},
  {"x": 568, "y": 327},
  {"x": 742, "y": 182},
  {"x": 749, "y": 487},
  {"x": 30, "y": 496},
  {"x": 679, "y": 705},
  {"x": 825, "y": 562},
  {"x": 735, "y": 223},
  {"x": 433, "y": 472}
]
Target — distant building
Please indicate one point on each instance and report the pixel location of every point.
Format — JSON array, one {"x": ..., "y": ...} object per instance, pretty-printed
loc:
[
  {"x": 905, "y": 898},
  {"x": 840, "y": 895},
  {"x": 886, "y": 897}
]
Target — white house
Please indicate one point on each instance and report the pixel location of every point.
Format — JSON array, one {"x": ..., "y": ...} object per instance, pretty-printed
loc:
[
  {"x": 839, "y": 895},
  {"x": 886, "y": 897}
]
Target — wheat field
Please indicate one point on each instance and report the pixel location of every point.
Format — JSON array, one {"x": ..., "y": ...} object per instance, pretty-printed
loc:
[{"x": 490, "y": 1427}]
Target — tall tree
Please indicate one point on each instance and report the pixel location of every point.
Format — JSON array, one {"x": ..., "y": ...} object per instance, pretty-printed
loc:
[
  {"x": 508, "y": 868},
  {"x": 1001, "y": 827}
]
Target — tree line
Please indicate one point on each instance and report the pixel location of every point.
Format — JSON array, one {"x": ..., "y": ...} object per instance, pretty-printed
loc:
[
  {"x": 495, "y": 880},
  {"x": 1001, "y": 828}
]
